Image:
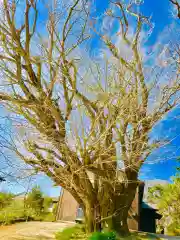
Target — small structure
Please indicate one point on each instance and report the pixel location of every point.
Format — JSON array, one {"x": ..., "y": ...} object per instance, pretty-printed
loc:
[
  {"x": 148, "y": 217},
  {"x": 53, "y": 204},
  {"x": 20, "y": 196},
  {"x": 142, "y": 217}
]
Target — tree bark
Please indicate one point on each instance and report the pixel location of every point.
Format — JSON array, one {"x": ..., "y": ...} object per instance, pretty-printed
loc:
[
  {"x": 115, "y": 210},
  {"x": 92, "y": 217},
  {"x": 89, "y": 220},
  {"x": 115, "y": 214},
  {"x": 119, "y": 222},
  {"x": 116, "y": 220}
]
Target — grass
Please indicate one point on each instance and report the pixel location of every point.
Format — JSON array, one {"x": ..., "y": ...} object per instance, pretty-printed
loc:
[{"x": 78, "y": 232}]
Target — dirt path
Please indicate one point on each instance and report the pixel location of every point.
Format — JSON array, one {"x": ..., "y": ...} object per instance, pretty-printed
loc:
[{"x": 31, "y": 231}]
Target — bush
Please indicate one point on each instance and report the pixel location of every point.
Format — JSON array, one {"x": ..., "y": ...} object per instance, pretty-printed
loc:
[
  {"x": 76, "y": 232},
  {"x": 15, "y": 212},
  {"x": 35, "y": 200},
  {"x": 45, "y": 216},
  {"x": 35, "y": 207},
  {"x": 173, "y": 231},
  {"x": 5, "y": 199},
  {"x": 55, "y": 208},
  {"x": 103, "y": 236}
]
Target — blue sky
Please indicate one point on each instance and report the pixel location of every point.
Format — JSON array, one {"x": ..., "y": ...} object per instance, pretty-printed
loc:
[{"x": 160, "y": 10}]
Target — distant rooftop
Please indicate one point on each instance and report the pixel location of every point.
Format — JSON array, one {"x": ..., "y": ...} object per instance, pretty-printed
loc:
[
  {"x": 148, "y": 206},
  {"x": 20, "y": 196},
  {"x": 24, "y": 194},
  {"x": 55, "y": 199}
]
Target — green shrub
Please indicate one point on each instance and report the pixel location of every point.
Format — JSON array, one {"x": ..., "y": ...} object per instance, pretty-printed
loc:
[
  {"x": 5, "y": 199},
  {"x": 76, "y": 232},
  {"x": 103, "y": 236},
  {"x": 173, "y": 229},
  {"x": 15, "y": 212},
  {"x": 46, "y": 216},
  {"x": 35, "y": 200}
]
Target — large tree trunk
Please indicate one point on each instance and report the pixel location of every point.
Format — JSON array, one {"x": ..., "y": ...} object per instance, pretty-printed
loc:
[
  {"x": 112, "y": 214},
  {"x": 107, "y": 205},
  {"x": 119, "y": 221},
  {"x": 115, "y": 221},
  {"x": 92, "y": 216},
  {"x": 115, "y": 209},
  {"x": 89, "y": 219}
]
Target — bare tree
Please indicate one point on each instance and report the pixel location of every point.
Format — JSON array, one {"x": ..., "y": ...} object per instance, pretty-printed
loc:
[
  {"x": 177, "y": 6},
  {"x": 92, "y": 143},
  {"x": 175, "y": 44}
]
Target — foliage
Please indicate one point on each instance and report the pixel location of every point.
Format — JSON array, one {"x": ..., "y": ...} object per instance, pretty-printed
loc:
[
  {"x": 35, "y": 200},
  {"x": 55, "y": 208},
  {"x": 76, "y": 232},
  {"x": 81, "y": 117},
  {"x": 15, "y": 212},
  {"x": 173, "y": 229},
  {"x": 155, "y": 193},
  {"x": 168, "y": 203},
  {"x": 103, "y": 236},
  {"x": 34, "y": 207},
  {"x": 40, "y": 205},
  {"x": 5, "y": 199},
  {"x": 48, "y": 217}
]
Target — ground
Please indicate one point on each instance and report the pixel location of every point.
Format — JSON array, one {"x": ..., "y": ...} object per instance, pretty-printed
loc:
[
  {"x": 47, "y": 230},
  {"x": 152, "y": 236},
  {"x": 32, "y": 230}
]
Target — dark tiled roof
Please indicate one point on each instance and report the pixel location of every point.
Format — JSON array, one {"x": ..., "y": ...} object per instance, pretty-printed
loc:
[{"x": 146, "y": 206}]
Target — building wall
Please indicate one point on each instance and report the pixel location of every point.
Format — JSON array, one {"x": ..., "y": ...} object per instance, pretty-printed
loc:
[
  {"x": 67, "y": 207},
  {"x": 148, "y": 220},
  {"x": 133, "y": 217}
]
